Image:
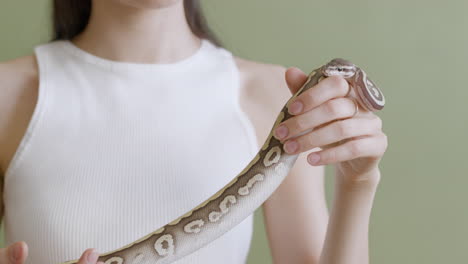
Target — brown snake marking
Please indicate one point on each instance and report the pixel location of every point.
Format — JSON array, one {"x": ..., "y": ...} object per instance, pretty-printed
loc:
[{"x": 245, "y": 193}]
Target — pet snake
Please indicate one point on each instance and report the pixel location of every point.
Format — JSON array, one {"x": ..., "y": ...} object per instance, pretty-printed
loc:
[{"x": 246, "y": 192}]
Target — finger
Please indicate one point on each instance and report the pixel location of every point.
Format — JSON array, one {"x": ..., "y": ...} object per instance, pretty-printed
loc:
[
  {"x": 22, "y": 251},
  {"x": 295, "y": 78},
  {"x": 334, "y": 132},
  {"x": 90, "y": 256},
  {"x": 363, "y": 111},
  {"x": 373, "y": 146},
  {"x": 329, "y": 88},
  {"x": 16, "y": 253},
  {"x": 334, "y": 109}
]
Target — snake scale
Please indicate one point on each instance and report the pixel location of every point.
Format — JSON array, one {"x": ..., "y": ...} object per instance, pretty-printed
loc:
[{"x": 246, "y": 192}]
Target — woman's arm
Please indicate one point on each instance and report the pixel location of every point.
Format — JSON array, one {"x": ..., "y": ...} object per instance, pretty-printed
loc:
[
  {"x": 353, "y": 142},
  {"x": 296, "y": 215},
  {"x": 18, "y": 85},
  {"x": 347, "y": 234}
]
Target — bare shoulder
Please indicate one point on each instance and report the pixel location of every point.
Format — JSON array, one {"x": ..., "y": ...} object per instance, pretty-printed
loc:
[
  {"x": 267, "y": 78},
  {"x": 19, "y": 68},
  {"x": 264, "y": 92},
  {"x": 16, "y": 75},
  {"x": 18, "y": 90}
]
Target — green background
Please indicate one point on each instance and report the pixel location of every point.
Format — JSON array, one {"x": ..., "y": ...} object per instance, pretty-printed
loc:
[{"x": 414, "y": 50}]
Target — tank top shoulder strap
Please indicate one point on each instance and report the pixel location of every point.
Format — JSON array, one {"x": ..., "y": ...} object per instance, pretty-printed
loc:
[
  {"x": 43, "y": 57},
  {"x": 227, "y": 58}
]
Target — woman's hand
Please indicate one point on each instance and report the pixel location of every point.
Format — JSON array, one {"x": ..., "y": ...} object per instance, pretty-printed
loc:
[
  {"x": 355, "y": 144},
  {"x": 17, "y": 253}
]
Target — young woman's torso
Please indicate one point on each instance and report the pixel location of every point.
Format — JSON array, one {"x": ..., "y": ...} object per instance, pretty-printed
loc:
[{"x": 262, "y": 93}]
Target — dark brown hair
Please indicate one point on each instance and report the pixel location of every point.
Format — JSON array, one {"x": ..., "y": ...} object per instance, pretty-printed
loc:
[{"x": 70, "y": 18}]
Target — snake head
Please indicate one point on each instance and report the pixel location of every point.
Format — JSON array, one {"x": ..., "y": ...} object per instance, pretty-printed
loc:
[{"x": 340, "y": 67}]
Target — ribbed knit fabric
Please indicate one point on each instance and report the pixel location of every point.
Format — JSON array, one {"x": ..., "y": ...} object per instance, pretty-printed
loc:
[{"x": 116, "y": 150}]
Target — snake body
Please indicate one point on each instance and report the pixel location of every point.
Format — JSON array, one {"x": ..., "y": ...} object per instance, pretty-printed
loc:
[{"x": 245, "y": 193}]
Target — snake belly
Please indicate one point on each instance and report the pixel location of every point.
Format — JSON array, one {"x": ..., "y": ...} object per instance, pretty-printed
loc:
[{"x": 230, "y": 205}]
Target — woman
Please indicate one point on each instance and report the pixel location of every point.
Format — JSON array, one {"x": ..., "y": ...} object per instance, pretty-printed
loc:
[{"x": 131, "y": 89}]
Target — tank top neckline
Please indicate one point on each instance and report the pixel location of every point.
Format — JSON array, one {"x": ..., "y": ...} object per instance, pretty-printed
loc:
[{"x": 113, "y": 65}]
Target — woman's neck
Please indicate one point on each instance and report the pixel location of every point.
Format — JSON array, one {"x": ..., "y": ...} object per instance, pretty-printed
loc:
[{"x": 122, "y": 33}]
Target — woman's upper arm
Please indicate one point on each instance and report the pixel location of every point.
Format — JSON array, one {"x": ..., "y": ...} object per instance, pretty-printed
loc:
[
  {"x": 18, "y": 89},
  {"x": 18, "y": 93},
  {"x": 296, "y": 214}
]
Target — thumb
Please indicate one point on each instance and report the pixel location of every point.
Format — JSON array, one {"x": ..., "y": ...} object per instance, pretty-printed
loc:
[
  {"x": 295, "y": 78},
  {"x": 16, "y": 253}
]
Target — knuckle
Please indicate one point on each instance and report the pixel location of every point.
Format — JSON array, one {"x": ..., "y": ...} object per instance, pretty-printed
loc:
[
  {"x": 340, "y": 83},
  {"x": 332, "y": 156},
  {"x": 327, "y": 156},
  {"x": 356, "y": 148},
  {"x": 312, "y": 99},
  {"x": 381, "y": 145},
  {"x": 334, "y": 108},
  {"x": 351, "y": 106},
  {"x": 299, "y": 124},
  {"x": 345, "y": 129},
  {"x": 375, "y": 122},
  {"x": 378, "y": 122},
  {"x": 385, "y": 138},
  {"x": 296, "y": 124}
]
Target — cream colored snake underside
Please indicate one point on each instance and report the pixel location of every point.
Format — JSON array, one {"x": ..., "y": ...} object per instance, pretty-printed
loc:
[{"x": 245, "y": 193}]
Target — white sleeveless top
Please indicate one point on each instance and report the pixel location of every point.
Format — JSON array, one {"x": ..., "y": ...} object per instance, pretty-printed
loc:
[{"x": 116, "y": 150}]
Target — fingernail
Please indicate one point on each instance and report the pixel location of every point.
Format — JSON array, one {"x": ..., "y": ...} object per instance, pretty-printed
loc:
[
  {"x": 93, "y": 256},
  {"x": 295, "y": 108},
  {"x": 314, "y": 158},
  {"x": 16, "y": 252},
  {"x": 291, "y": 146},
  {"x": 281, "y": 132}
]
